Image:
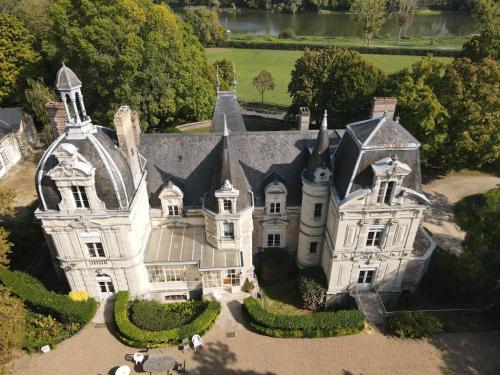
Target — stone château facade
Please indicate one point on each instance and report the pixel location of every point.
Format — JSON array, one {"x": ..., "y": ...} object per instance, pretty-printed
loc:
[{"x": 175, "y": 216}]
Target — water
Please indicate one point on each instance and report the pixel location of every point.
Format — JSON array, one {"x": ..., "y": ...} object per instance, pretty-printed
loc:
[{"x": 341, "y": 24}]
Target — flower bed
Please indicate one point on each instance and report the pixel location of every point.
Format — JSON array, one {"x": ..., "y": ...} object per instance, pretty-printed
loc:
[
  {"x": 321, "y": 324},
  {"x": 141, "y": 338}
]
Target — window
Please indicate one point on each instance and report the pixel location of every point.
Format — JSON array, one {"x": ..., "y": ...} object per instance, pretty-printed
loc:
[
  {"x": 273, "y": 240},
  {"x": 95, "y": 250},
  {"x": 211, "y": 279},
  {"x": 106, "y": 286},
  {"x": 173, "y": 210},
  {"x": 229, "y": 231},
  {"x": 313, "y": 247},
  {"x": 228, "y": 205},
  {"x": 365, "y": 276},
  {"x": 385, "y": 192},
  {"x": 80, "y": 197},
  {"x": 275, "y": 208},
  {"x": 176, "y": 297},
  {"x": 234, "y": 276},
  {"x": 160, "y": 274},
  {"x": 317, "y": 210},
  {"x": 374, "y": 238}
]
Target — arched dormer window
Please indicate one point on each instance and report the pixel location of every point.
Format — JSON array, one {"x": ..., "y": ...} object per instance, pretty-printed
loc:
[
  {"x": 388, "y": 175},
  {"x": 227, "y": 197},
  {"x": 275, "y": 198},
  {"x": 171, "y": 200}
]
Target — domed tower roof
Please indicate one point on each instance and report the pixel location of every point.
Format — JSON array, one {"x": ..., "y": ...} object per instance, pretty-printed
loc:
[{"x": 66, "y": 79}]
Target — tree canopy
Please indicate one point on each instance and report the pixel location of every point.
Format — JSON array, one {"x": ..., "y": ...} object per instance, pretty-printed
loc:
[
  {"x": 226, "y": 73},
  {"x": 486, "y": 44},
  {"x": 206, "y": 26},
  {"x": 263, "y": 82},
  {"x": 334, "y": 79},
  {"x": 131, "y": 52},
  {"x": 370, "y": 15}
]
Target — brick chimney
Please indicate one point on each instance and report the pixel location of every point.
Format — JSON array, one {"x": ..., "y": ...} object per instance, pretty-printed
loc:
[
  {"x": 57, "y": 117},
  {"x": 381, "y": 105},
  {"x": 127, "y": 128},
  {"x": 304, "y": 118}
]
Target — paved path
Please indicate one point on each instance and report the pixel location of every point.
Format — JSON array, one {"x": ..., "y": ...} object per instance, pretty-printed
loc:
[
  {"x": 243, "y": 352},
  {"x": 368, "y": 302}
]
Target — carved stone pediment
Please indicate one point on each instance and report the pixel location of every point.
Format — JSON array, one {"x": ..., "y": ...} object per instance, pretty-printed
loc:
[{"x": 71, "y": 164}]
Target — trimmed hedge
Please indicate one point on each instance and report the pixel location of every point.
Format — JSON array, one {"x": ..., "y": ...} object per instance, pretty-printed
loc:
[
  {"x": 366, "y": 50},
  {"x": 413, "y": 324},
  {"x": 321, "y": 324},
  {"x": 39, "y": 299},
  {"x": 137, "y": 337}
]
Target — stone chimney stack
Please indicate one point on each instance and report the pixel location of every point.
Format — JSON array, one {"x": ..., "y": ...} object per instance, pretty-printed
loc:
[
  {"x": 381, "y": 105},
  {"x": 57, "y": 117},
  {"x": 304, "y": 118},
  {"x": 136, "y": 125},
  {"x": 126, "y": 122}
]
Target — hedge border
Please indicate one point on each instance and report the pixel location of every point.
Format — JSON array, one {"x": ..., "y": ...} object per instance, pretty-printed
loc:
[
  {"x": 322, "y": 324},
  {"x": 245, "y": 44},
  {"x": 43, "y": 301},
  {"x": 140, "y": 338}
]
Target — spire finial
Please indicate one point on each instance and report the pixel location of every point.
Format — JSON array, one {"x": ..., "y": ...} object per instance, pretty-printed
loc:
[
  {"x": 324, "y": 123},
  {"x": 226, "y": 132}
]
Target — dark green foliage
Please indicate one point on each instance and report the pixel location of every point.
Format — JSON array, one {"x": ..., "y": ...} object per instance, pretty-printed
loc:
[
  {"x": 322, "y": 324},
  {"x": 206, "y": 26},
  {"x": 275, "y": 266},
  {"x": 413, "y": 324},
  {"x": 312, "y": 289},
  {"x": 484, "y": 45},
  {"x": 287, "y": 33},
  {"x": 155, "y": 316},
  {"x": 248, "y": 286},
  {"x": 333, "y": 79},
  {"x": 43, "y": 301},
  {"x": 139, "y": 338},
  {"x": 226, "y": 73}
]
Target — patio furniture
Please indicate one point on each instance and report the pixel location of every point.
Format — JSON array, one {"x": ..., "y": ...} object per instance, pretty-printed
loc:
[
  {"x": 138, "y": 358},
  {"x": 197, "y": 341},
  {"x": 122, "y": 370},
  {"x": 185, "y": 345},
  {"x": 181, "y": 368},
  {"x": 158, "y": 363}
]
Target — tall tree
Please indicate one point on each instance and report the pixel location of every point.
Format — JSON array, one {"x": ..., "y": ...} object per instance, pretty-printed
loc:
[
  {"x": 334, "y": 79},
  {"x": 206, "y": 26},
  {"x": 370, "y": 15},
  {"x": 263, "y": 82},
  {"x": 226, "y": 73},
  {"x": 402, "y": 13},
  {"x": 486, "y": 12},
  {"x": 37, "y": 95},
  {"x": 132, "y": 52},
  {"x": 17, "y": 58},
  {"x": 486, "y": 44}
]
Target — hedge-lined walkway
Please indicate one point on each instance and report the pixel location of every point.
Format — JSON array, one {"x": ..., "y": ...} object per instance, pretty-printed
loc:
[{"x": 95, "y": 351}]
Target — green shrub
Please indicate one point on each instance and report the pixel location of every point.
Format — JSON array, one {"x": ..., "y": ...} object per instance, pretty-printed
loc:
[
  {"x": 46, "y": 302},
  {"x": 155, "y": 316},
  {"x": 287, "y": 33},
  {"x": 413, "y": 324},
  {"x": 311, "y": 288},
  {"x": 275, "y": 266},
  {"x": 137, "y": 337},
  {"x": 322, "y": 324},
  {"x": 247, "y": 286}
]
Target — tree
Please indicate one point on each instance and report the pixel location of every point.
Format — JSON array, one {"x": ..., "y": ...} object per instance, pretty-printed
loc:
[
  {"x": 263, "y": 82},
  {"x": 486, "y": 44},
  {"x": 337, "y": 80},
  {"x": 226, "y": 73},
  {"x": 16, "y": 58},
  {"x": 402, "y": 12},
  {"x": 485, "y": 12},
  {"x": 132, "y": 52},
  {"x": 471, "y": 94},
  {"x": 37, "y": 95},
  {"x": 206, "y": 26},
  {"x": 370, "y": 15}
]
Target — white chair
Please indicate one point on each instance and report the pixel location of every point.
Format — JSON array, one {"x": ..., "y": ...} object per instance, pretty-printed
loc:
[
  {"x": 138, "y": 358},
  {"x": 196, "y": 340},
  {"x": 122, "y": 370}
]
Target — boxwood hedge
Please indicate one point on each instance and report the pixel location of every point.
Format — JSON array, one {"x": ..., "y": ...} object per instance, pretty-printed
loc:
[
  {"x": 39, "y": 299},
  {"x": 321, "y": 324},
  {"x": 137, "y": 337}
]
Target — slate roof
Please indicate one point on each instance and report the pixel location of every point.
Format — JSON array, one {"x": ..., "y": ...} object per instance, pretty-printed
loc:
[
  {"x": 66, "y": 79},
  {"x": 101, "y": 151},
  {"x": 227, "y": 103},
  {"x": 367, "y": 142},
  {"x": 190, "y": 160},
  {"x": 320, "y": 155},
  {"x": 10, "y": 120}
]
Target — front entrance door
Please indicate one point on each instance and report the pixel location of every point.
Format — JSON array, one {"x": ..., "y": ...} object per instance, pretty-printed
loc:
[
  {"x": 365, "y": 279},
  {"x": 106, "y": 287}
]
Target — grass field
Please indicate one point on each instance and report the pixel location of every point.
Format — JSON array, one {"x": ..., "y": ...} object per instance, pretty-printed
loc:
[{"x": 249, "y": 62}]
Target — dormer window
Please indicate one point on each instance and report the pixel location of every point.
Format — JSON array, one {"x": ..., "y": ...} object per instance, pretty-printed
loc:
[
  {"x": 228, "y": 231},
  {"x": 275, "y": 208},
  {"x": 276, "y": 194},
  {"x": 171, "y": 200},
  {"x": 228, "y": 205},
  {"x": 389, "y": 174},
  {"x": 80, "y": 197},
  {"x": 385, "y": 192},
  {"x": 173, "y": 210}
]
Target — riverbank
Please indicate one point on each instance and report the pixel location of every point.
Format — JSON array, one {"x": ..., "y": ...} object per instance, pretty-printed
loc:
[{"x": 249, "y": 62}]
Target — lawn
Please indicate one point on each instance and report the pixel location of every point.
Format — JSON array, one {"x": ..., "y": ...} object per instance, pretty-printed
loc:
[
  {"x": 249, "y": 62},
  {"x": 283, "y": 299}
]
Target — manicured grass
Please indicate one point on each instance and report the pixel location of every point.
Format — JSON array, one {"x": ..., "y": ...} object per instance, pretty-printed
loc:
[
  {"x": 249, "y": 62},
  {"x": 283, "y": 299},
  {"x": 197, "y": 130}
]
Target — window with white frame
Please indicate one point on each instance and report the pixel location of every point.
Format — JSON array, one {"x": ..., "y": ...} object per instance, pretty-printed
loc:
[
  {"x": 234, "y": 277},
  {"x": 318, "y": 207},
  {"x": 273, "y": 240},
  {"x": 163, "y": 273},
  {"x": 374, "y": 238},
  {"x": 211, "y": 279},
  {"x": 385, "y": 192},
  {"x": 275, "y": 208},
  {"x": 228, "y": 231},
  {"x": 173, "y": 210},
  {"x": 227, "y": 205},
  {"x": 80, "y": 197},
  {"x": 313, "y": 247},
  {"x": 96, "y": 250}
]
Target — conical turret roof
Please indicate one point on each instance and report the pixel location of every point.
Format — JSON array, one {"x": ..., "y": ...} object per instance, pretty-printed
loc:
[
  {"x": 66, "y": 79},
  {"x": 320, "y": 155}
]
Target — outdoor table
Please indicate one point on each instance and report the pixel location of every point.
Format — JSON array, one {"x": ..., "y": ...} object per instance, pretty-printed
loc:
[
  {"x": 122, "y": 370},
  {"x": 157, "y": 363}
]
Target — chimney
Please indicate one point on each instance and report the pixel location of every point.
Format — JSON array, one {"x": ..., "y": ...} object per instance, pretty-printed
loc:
[
  {"x": 304, "y": 118},
  {"x": 57, "y": 117},
  {"x": 128, "y": 138},
  {"x": 381, "y": 105},
  {"x": 136, "y": 126}
]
